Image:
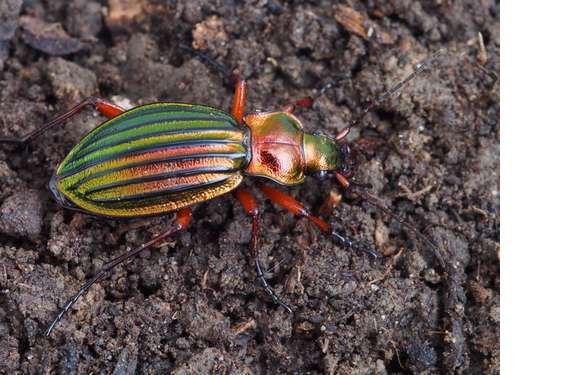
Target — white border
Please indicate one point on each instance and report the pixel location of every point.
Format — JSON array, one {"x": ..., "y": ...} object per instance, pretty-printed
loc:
[{"x": 531, "y": 157}]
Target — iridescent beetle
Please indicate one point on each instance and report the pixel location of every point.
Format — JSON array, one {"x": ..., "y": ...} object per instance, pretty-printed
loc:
[{"x": 162, "y": 158}]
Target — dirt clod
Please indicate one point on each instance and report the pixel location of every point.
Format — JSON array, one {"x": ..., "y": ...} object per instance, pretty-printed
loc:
[
  {"x": 21, "y": 214},
  {"x": 9, "y": 181},
  {"x": 70, "y": 81},
  {"x": 9, "y": 355},
  {"x": 88, "y": 18},
  {"x": 9, "y": 12}
]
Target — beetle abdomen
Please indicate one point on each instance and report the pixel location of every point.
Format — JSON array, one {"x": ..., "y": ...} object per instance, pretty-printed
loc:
[{"x": 154, "y": 159}]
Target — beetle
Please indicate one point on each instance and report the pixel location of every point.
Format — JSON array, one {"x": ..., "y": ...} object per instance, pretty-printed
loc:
[{"x": 162, "y": 158}]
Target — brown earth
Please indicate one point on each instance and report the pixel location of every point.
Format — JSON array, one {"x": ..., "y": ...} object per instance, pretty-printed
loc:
[{"x": 194, "y": 305}]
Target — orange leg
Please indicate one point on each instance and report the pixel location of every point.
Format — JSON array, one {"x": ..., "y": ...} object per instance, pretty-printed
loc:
[
  {"x": 181, "y": 222},
  {"x": 305, "y": 102},
  {"x": 308, "y": 101},
  {"x": 106, "y": 108},
  {"x": 239, "y": 100},
  {"x": 250, "y": 205},
  {"x": 297, "y": 208},
  {"x": 342, "y": 180}
]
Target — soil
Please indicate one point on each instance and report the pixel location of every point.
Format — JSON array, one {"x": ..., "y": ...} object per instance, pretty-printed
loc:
[{"x": 193, "y": 305}]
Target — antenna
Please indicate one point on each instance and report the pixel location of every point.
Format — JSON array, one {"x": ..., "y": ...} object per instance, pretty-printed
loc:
[{"x": 420, "y": 67}]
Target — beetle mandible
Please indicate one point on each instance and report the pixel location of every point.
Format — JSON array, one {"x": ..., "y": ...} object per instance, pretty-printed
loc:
[{"x": 162, "y": 158}]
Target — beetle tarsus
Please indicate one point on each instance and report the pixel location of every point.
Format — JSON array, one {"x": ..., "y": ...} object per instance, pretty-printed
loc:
[
  {"x": 83, "y": 289},
  {"x": 267, "y": 287},
  {"x": 353, "y": 245}
]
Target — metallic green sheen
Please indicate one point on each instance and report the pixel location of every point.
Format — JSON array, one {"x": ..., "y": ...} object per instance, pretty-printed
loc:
[
  {"x": 320, "y": 153},
  {"x": 153, "y": 159}
]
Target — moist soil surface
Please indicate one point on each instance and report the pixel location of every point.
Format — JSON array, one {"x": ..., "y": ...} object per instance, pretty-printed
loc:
[{"x": 193, "y": 304}]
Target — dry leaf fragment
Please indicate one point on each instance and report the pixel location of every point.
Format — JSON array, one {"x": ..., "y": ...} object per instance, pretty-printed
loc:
[{"x": 351, "y": 20}]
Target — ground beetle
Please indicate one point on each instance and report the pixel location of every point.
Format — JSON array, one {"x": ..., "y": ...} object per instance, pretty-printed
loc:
[{"x": 162, "y": 158}]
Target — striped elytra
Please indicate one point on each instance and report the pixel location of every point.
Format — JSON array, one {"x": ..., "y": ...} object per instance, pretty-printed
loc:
[{"x": 154, "y": 159}]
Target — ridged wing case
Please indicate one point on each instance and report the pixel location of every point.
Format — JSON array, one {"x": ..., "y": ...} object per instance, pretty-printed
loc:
[{"x": 154, "y": 159}]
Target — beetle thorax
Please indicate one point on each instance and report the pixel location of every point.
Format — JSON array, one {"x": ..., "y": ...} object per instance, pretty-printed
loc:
[
  {"x": 283, "y": 152},
  {"x": 277, "y": 151}
]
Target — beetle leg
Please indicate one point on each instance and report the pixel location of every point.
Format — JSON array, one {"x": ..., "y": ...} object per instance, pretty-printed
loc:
[
  {"x": 182, "y": 220},
  {"x": 106, "y": 108},
  {"x": 297, "y": 208},
  {"x": 250, "y": 205},
  {"x": 239, "y": 100},
  {"x": 308, "y": 101},
  {"x": 305, "y": 102},
  {"x": 342, "y": 180}
]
